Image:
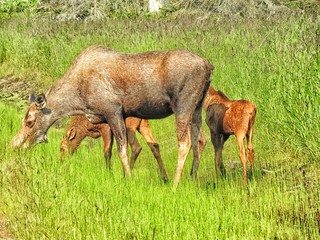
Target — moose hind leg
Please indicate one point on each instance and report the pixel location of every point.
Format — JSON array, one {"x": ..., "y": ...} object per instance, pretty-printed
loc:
[
  {"x": 184, "y": 143},
  {"x": 195, "y": 132}
]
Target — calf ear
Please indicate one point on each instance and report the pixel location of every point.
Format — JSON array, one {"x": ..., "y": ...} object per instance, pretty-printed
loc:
[
  {"x": 32, "y": 98},
  {"x": 41, "y": 101},
  {"x": 71, "y": 134}
]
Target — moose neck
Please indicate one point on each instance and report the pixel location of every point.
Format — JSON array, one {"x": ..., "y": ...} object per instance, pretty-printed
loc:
[{"x": 63, "y": 101}]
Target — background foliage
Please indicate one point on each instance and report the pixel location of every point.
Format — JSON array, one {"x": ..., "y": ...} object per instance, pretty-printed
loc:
[{"x": 99, "y": 9}]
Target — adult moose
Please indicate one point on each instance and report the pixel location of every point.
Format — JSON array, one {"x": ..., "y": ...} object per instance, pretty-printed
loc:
[
  {"x": 108, "y": 86},
  {"x": 80, "y": 127}
]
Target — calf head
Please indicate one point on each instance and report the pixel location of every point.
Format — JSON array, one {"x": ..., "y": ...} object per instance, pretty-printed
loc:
[
  {"x": 79, "y": 128},
  {"x": 34, "y": 124},
  {"x": 66, "y": 145}
]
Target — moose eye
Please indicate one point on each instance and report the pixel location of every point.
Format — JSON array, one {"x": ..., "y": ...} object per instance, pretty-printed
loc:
[{"x": 30, "y": 123}]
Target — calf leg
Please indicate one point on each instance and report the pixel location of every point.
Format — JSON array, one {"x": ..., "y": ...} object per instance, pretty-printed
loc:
[
  {"x": 145, "y": 131},
  {"x": 184, "y": 142},
  {"x": 195, "y": 131},
  {"x": 250, "y": 152},
  {"x": 202, "y": 142},
  {"x": 118, "y": 127},
  {"x": 107, "y": 138},
  {"x": 249, "y": 140},
  {"x": 135, "y": 146},
  {"x": 240, "y": 138},
  {"x": 218, "y": 140}
]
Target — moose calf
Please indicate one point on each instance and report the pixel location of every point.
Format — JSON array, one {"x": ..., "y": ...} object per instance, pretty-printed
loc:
[
  {"x": 225, "y": 117},
  {"x": 80, "y": 127}
]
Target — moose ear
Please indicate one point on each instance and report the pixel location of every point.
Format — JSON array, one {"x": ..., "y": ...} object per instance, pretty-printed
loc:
[
  {"x": 41, "y": 101},
  {"x": 32, "y": 98},
  {"x": 71, "y": 133}
]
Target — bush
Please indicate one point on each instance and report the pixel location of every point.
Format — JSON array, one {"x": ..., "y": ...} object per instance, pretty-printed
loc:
[
  {"x": 11, "y": 6},
  {"x": 98, "y": 9}
]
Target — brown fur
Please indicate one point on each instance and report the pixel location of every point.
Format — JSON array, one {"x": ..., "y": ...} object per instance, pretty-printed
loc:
[
  {"x": 80, "y": 128},
  {"x": 226, "y": 117},
  {"x": 108, "y": 86}
]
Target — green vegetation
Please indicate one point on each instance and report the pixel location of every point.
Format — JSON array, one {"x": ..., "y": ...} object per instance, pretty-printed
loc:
[
  {"x": 102, "y": 9},
  {"x": 273, "y": 62}
]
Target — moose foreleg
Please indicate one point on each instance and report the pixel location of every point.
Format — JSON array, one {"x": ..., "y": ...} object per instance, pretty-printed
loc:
[{"x": 118, "y": 128}]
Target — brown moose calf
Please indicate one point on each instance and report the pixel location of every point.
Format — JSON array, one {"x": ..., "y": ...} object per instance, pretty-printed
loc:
[
  {"x": 80, "y": 127},
  {"x": 225, "y": 117}
]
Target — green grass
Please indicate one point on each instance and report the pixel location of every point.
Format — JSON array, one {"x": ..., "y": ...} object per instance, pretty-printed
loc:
[{"x": 273, "y": 63}]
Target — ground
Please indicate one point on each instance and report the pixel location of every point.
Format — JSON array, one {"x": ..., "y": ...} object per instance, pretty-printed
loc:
[
  {"x": 4, "y": 232},
  {"x": 16, "y": 90}
]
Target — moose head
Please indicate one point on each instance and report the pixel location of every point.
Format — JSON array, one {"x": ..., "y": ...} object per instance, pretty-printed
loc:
[{"x": 34, "y": 125}]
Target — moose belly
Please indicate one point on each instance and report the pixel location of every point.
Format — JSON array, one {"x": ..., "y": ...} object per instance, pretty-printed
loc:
[{"x": 150, "y": 110}]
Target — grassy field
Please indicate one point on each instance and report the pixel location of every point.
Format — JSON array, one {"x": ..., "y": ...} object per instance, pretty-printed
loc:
[{"x": 273, "y": 63}]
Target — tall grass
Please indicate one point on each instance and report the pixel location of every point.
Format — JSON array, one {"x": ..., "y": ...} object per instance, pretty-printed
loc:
[{"x": 273, "y": 63}]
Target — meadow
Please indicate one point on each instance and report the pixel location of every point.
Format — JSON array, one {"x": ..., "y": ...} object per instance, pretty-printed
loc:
[{"x": 272, "y": 62}]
